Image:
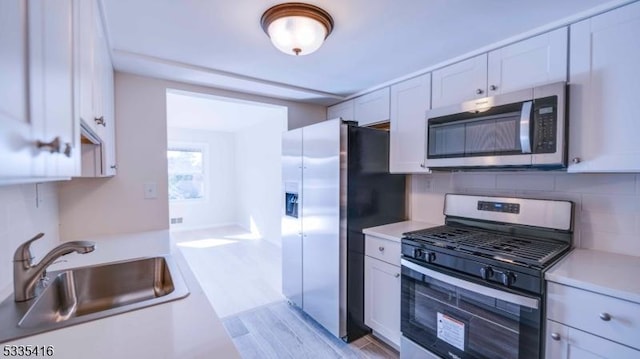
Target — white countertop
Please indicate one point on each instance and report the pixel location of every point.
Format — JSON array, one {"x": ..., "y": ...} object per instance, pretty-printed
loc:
[
  {"x": 612, "y": 274},
  {"x": 394, "y": 231},
  {"x": 185, "y": 328}
]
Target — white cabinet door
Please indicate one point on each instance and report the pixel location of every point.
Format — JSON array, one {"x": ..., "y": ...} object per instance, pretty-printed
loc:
[
  {"x": 36, "y": 111},
  {"x": 16, "y": 125},
  {"x": 563, "y": 342},
  {"x": 459, "y": 82},
  {"x": 410, "y": 100},
  {"x": 344, "y": 110},
  {"x": 104, "y": 99},
  {"x": 604, "y": 78},
  {"x": 84, "y": 38},
  {"x": 382, "y": 298},
  {"x": 51, "y": 63},
  {"x": 535, "y": 61},
  {"x": 372, "y": 108},
  {"x": 94, "y": 90},
  {"x": 110, "y": 162}
]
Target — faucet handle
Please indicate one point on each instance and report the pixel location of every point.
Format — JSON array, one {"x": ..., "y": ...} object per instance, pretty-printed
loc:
[{"x": 23, "y": 252}]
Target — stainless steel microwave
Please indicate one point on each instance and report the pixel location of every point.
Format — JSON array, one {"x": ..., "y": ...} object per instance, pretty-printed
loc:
[{"x": 518, "y": 130}]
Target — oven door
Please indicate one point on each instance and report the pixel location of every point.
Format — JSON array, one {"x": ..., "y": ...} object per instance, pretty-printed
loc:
[{"x": 457, "y": 317}]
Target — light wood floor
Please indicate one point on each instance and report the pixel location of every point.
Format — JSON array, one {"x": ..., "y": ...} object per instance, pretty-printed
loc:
[
  {"x": 242, "y": 279},
  {"x": 236, "y": 272}
]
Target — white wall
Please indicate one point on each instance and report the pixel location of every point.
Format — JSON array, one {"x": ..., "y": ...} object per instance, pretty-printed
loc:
[
  {"x": 607, "y": 205},
  {"x": 21, "y": 218},
  {"x": 219, "y": 206},
  {"x": 90, "y": 207},
  {"x": 259, "y": 176}
]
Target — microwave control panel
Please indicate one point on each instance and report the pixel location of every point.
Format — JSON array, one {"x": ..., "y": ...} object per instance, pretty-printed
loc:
[{"x": 545, "y": 126}]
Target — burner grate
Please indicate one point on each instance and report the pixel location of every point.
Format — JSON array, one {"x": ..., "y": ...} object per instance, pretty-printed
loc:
[{"x": 528, "y": 251}]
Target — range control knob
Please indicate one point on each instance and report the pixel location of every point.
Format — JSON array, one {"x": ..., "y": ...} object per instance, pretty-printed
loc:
[
  {"x": 508, "y": 278},
  {"x": 431, "y": 257},
  {"x": 486, "y": 272},
  {"x": 418, "y": 253}
]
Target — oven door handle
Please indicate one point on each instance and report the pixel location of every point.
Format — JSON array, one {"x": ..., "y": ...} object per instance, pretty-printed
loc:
[
  {"x": 525, "y": 137},
  {"x": 528, "y": 302}
]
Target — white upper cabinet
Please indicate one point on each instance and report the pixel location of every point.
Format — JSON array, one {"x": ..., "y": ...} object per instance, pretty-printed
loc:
[
  {"x": 104, "y": 99},
  {"x": 372, "y": 108},
  {"x": 462, "y": 81},
  {"x": 535, "y": 61},
  {"x": 37, "y": 137},
  {"x": 344, "y": 110},
  {"x": 604, "y": 77},
  {"x": 51, "y": 25},
  {"x": 410, "y": 100},
  {"x": 94, "y": 90},
  {"x": 84, "y": 38},
  {"x": 16, "y": 126}
]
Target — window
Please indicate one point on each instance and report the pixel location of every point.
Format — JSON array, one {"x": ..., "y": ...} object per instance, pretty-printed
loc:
[{"x": 186, "y": 172}]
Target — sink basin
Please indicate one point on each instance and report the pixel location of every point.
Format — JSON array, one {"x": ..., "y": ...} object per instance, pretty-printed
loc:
[{"x": 82, "y": 294}]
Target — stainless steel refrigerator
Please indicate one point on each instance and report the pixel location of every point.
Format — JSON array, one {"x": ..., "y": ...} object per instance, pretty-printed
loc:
[{"x": 336, "y": 182}]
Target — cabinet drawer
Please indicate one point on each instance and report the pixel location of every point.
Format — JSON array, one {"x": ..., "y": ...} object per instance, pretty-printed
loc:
[
  {"x": 383, "y": 249},
  {"x": 588, "y": 311},
  {"x": 569, "y": 343}
]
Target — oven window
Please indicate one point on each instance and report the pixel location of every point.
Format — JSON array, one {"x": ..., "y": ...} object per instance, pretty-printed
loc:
[{"x": 447, "y": 320}]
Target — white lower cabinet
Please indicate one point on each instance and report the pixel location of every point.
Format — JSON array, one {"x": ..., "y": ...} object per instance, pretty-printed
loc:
[
  {"x": 585, "y": 324},
  {"x": 564, "y": 342},
  {"x": 382, "y": 295}
]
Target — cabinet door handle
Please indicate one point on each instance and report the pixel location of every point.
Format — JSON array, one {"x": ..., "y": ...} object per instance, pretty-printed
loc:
[
  {"x": 115, "y": 167},
  {"x": 555, "y": 336},
  {"x": 576, "y": 160},
  {"x": 67, "y": 149},
  {"x": 479, "y": 92},
  {"x": 397, "y": 275},
  {"x": 605, "y": 316},
  {"x": 493, "y": 87},
  {"x": 100, "y": 121},
  {"x": 54, "y": 145},
  {"x": 381, "y": 249},
  {"x": 423, "y": 165}
]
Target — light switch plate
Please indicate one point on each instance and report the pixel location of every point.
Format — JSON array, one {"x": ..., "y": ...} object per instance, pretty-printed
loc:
[{"x": 150, "y": 190}]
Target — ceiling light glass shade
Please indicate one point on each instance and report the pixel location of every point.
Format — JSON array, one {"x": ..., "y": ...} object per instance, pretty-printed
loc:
[
  {"x": 297, "y": 35},
  {"x": 297, "y": 28}
]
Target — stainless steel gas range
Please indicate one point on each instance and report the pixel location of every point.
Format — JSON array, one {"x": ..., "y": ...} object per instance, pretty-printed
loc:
[{"x": 474, "y": 288}]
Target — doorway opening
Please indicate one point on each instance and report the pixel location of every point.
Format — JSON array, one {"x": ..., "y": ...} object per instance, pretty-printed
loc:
[{"x": 224, "y": 172}]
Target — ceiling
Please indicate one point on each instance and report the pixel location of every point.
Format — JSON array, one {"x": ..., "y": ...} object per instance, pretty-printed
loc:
[
  {"x": 220, "y": 43},
  {"x": 212, "y": 113}
]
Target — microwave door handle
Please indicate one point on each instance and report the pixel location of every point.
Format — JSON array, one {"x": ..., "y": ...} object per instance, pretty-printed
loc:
[{"x": 525, "y": 136}]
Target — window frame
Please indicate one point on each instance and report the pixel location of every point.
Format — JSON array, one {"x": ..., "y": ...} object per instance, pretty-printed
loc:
[{"x": 193, "y": 147}]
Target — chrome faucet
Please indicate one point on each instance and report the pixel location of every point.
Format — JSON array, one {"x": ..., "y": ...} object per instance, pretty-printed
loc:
[{"x": 26, "y": 274}]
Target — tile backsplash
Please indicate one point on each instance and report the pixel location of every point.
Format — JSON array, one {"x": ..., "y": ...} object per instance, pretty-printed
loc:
[
  {"x": 26, "y": 210},
  {"x": 607, "y": 205}
]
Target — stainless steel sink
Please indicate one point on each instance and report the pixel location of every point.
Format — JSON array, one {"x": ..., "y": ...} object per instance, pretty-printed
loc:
[{"x": 82, "y": 294}]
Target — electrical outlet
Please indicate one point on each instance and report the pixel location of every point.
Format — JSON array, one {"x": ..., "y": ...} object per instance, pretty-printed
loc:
[
  {"x": 427, "y": 184},
  {"x": 176, "y": 220},
  {"x": 150, "y": 190}
]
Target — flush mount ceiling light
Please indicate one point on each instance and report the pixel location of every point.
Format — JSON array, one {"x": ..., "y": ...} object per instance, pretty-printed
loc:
[{"x": 297, "y": 28}]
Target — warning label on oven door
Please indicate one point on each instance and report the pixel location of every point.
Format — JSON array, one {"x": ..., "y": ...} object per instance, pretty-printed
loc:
[{"x": 451, "y": 331}]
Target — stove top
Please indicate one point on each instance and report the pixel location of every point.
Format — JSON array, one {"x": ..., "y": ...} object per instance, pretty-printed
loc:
[{"x": 533, "y": 252}]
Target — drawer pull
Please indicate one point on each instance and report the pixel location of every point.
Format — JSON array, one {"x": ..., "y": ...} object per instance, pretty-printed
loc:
[
  {"x": 381, "y": 249},
  {"x": 605, "y": 316},
  {"x": 397, "y": 275},
  {"x": 555, "y": 336}
]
